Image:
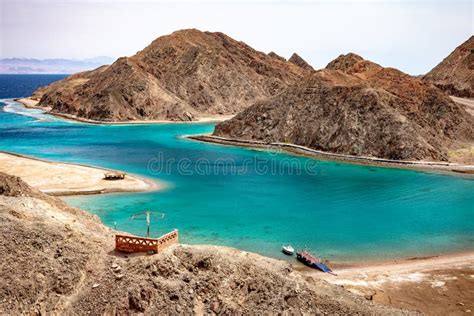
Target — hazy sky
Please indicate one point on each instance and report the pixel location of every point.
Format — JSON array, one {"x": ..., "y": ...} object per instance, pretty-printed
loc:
[{"x": 410, "y": 35}]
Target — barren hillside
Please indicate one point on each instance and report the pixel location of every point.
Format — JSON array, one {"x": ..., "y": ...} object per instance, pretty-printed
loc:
[
  {"x": 178, "y": 77},
  {"x": 357, "y": 107},
  {"x": 455, "y": 74}
]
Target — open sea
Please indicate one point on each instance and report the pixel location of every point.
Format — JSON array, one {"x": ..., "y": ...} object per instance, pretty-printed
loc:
[{"x": 249, "y": 199}]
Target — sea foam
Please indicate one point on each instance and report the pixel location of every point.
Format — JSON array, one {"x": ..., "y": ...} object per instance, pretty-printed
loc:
[{"x": 12, "y": 106}]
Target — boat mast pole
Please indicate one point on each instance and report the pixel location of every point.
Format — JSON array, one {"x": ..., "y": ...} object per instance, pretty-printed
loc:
[{"x": 148, "y": 224}]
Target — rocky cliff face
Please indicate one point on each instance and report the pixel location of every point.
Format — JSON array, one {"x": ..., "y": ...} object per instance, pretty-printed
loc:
[
  {"x": 177, "y": 77},
  {"x": 357, "y": 107},
  {"x": 455, "y": 74}
]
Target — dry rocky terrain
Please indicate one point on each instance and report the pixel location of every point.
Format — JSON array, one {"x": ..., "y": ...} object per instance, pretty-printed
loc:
[
  {"x": 357, "y": 107},
  {"x": 178, "y": 77},
  {"x": 60, "y": 260},
  {"x": 455, "y": 74},
  {"x": 299, "y": 61}
]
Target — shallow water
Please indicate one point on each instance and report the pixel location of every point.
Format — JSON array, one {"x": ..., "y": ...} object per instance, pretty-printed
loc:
[{"x": 255, "y": 200}]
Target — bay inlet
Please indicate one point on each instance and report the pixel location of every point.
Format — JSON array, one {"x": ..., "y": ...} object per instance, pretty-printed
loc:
[{"x": 255, "y": 200}]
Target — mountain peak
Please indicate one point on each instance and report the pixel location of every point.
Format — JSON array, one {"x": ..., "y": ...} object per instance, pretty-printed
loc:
[
  {"x": 344, "y": 62},
  {"x": 299, "y": 61},
  {"x": 275, "y": 55},
  {"x": 355, "y": 65}
]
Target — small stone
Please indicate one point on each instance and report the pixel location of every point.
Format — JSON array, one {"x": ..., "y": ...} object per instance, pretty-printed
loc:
[
  {"x": 460, "y": 304},
  {"x": 191, "y": 291},
  {"x": 95, "y": 285},
  {"x": 114, "y": 265},
  {"x": 369, "y": 297},
  {"x": 119, "y": 277}
]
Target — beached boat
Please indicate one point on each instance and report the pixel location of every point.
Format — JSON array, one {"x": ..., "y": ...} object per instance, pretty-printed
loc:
[
  {"x": 288, "y": 250},
  {"x": 113, "y": 175},
  {"x": 311, "y": 261}
]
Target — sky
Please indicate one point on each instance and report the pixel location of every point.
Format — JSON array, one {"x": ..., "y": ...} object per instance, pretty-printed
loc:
[{"x": 412, "y": 35}]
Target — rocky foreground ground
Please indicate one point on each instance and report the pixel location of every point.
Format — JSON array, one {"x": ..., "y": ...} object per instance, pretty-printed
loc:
[{"x": 59, "y": 259}]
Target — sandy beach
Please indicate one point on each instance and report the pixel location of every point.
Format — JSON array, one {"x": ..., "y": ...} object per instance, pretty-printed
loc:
[
  {"x": 62, "y": 179},
  {"x": 437, "y": 285},
  {"x": 32, "y": 104}
]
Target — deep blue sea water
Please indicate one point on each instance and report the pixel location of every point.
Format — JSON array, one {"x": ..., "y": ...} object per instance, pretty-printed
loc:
[
  {"x": 255, "y": 200},
  {"x": 17, "y": 86}
]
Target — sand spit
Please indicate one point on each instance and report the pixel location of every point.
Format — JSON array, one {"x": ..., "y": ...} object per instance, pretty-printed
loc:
[
  {"x": 444, "y": 167},
  {"x": 56, "y": 178},
  {"x": 32, "y": 104}
]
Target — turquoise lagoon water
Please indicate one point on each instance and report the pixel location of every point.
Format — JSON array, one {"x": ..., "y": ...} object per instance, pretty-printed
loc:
[{"x": 255, "y": 200}]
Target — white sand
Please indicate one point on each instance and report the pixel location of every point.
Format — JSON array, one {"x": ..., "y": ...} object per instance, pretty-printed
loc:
[{"x": 69, "y": 179}]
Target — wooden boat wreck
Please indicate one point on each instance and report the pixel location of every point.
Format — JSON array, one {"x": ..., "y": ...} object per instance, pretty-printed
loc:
[
  {"x": 113, "y": 175},
  {"x": 313, "y": 262}
]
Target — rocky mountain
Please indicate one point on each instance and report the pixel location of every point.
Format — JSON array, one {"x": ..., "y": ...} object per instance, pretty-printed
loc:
[
  {"x": 299, "y": 61},
  {"x": 455, "y": 74},
  {"x": 179, "y": 77},
  {"x": 61, "y": 260},
  {"x": 358, "y": 107},
  {"x": 275, "y": 55}
]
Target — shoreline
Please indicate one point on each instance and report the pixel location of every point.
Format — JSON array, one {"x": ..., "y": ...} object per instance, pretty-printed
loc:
[
  {"x": 152, "y": 186},
  {"x": 297, "y": 150},
  {"x": 380, "y": 265},
  {"x": 71, "y": 179},
  {"x": 31, "y": 104},
  {"x": 431, "y": 284}
]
